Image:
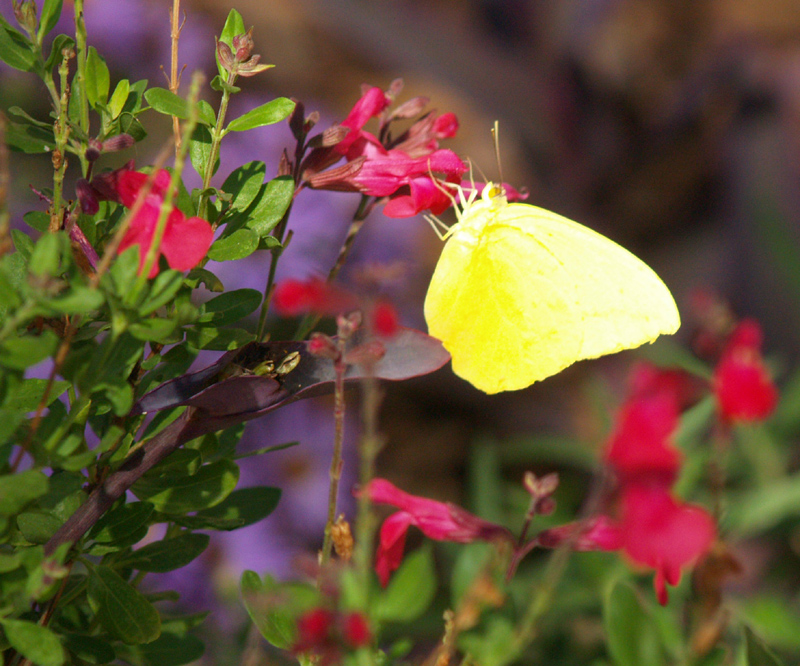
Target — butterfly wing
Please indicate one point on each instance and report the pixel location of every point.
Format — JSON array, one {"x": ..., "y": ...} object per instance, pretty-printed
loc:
[{"x": 533, "y": 292}]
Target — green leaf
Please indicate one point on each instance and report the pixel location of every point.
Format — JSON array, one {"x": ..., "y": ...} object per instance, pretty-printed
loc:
[
  {"x": 198, "y": 276},
  {"x": 166, "y": 555},
  {"x": 51, "y": 11},
  {"x": 34, "y": 642},
  {"x": 89, "y": 649},
  {"x": 21, "y": 353},
  {"x": 234, "y": 25},
  {"x": 164, "y": 288},
  {"x": 206, "y": 113},
  {"x": 244, "y": 184},
  {"x": 219, "y": 339},
  {"x": 79, "y": 300},
  {"x": 411, "y": 589},
  {"x": 46, "y": 256},
  {"x": 28, "y": 138},
  {"x": 97, "y": 79},
  {"x": 28, "y": 394},
  {"x": 167, "y": 102},
  {"x": 631, "y": 633},
  {"x": 240, "y": 244},
  {"x": 200, "y": 150},
  {"x": 173, "y": 650},
  {"x": 761, "y": 509},
  {"x": 16, "y": 50},
  {"x": 758, "y": 652},
  {"x": 118, "y": 98},
  {"x": 266, "y": 114},
  {"x": 220, "y": 84},
  {"x": 230, "y": 307},
  {"x": 271, "y": 206},
  {"x": 271, "y": 616},
  {"x": 125, "y": 524},
  {"x": 494, "y": 646},
  {"x": 242, "y": 507},
  {"x": 122, "y": 610},
  {"x": 60, "y": 43},
  {"x": 209, "y": 486},
  {"x": 156, "y": 330},
  {"x": 38, "y": 526},
  {"x": 37, "y": 219},
  {"x": 17, "y": 490}
]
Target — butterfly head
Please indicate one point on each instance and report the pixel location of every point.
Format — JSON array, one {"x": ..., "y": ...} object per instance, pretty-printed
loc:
[{"x": 494, "y": 195}]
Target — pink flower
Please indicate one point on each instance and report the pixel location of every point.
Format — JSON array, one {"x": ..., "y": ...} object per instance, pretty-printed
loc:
[
  {"x": 742, "y": 385},
  {"x": 437, "y": 520},
  {"x": 408, "y": 170},
  {"x": 371, "y": 104},
  {"x": 185, "y": 241}
]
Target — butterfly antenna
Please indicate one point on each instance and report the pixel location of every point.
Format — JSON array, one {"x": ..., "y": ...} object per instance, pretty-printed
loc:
[{"x": 496, "y": 137}]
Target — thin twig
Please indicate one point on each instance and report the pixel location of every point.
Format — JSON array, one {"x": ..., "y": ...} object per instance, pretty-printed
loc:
[
  {"x": 336, "y": 460},
  {"x": 174, "y": 79}
]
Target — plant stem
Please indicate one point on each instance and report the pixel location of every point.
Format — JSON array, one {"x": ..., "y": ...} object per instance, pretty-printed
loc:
[
  {"x": 369, "y": 446},
  {"x": 61, "y": 131},
  {"x": 80, "y": 80},
  {"x": 216, "y": 138},
  {"x": 336, "y": 460},
  {"x": 174, "y": 80}
]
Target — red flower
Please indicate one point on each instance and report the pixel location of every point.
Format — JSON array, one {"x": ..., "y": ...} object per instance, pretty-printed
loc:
[
  {"x": 437, "y": 520},
  {"x": 385, "y": 320},
  {"x": 656, "y": 529},
  {"x": 640, "y": 447},
  {"x": 296, "y": 297},
  {"x": 185, "y": 241},
  {"x": 323, "y": 633},
  {"x": 651, "y": 526},
  {"x": 742, "y": 385},
  {"x": 662, "y": 533},
  {"x": 355, "y": 630}
]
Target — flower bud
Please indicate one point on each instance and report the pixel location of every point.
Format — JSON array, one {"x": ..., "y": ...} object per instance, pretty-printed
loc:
[
  {"x": 244, "y": 45},
  {"x": 225, "y": 55},
  {"x": 25, "y": 13}
]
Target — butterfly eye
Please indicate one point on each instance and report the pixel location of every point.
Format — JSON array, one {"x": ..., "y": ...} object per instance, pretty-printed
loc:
[{"x": 492, "y": 191}]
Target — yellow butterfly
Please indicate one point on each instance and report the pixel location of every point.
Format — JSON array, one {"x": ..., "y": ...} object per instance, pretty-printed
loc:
[{"x": 520, "y": 293}]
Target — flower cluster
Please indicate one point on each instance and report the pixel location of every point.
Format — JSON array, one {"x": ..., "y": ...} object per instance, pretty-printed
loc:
[
  {"x": 410, "y": 172},
  {"x": 185, "y": 240},
  {"x": 327, "y": 635},
  {"x": 296, "y": 297}
]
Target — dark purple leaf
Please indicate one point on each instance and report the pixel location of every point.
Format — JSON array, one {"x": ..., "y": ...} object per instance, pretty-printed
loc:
[{"x": 248, "y": 381}]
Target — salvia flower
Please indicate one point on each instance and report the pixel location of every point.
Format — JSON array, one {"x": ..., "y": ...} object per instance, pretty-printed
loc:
[
  {"x": 742, "y": 384},
  {"x": 657, "y": 529},
  {"x": 650, "y": 525},
  {"x": 408, "y": 172},
  {"x": 185, "y": 240},
  {"x": 441, "y": 521}
]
